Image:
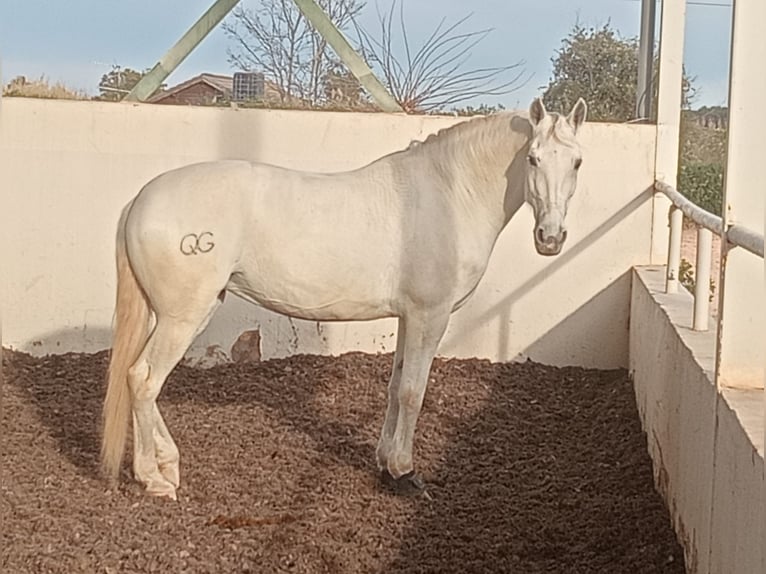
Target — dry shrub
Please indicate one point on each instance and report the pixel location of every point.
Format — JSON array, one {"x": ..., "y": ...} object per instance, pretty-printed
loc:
[{"x": 21, "y": 87}]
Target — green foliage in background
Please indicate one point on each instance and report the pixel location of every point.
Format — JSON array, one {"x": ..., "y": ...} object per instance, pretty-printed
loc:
[
  {"x": 598, "y": 66},
  {"x": 686, "y": 278},
  {"x": 116, "y": 84},
  {"x": 700, "y": 144},
  {"x": 703, "y": 156},
  {"x": 703, "y": 184},
  {"x": 601, "y": 67}
]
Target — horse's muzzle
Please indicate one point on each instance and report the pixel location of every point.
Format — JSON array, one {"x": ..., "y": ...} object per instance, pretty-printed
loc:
[{"x": 549, "y": 244}]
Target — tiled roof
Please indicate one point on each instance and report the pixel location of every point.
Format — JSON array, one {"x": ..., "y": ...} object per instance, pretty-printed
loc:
[{"x": 217, "y": 81}]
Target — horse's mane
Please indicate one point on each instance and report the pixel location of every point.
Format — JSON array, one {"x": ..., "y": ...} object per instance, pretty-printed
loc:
[
  {"x": 459, "y": 145},
  {"x": 484, "y": 128},
  {"x": 472, "y": 126}
]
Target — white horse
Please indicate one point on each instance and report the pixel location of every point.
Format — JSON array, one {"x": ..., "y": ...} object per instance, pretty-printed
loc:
[{"x": 407, "y": 236}]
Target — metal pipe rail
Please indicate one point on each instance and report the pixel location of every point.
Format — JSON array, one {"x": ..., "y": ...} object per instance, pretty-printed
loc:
[
  {"x": 735, "y": 235},
  {"x": 689, "y": 209},
  {"x": 746, "y": 239}
]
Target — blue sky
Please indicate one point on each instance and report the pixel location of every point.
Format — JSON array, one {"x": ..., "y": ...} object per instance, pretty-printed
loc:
[{"x": 76, "y": 41}]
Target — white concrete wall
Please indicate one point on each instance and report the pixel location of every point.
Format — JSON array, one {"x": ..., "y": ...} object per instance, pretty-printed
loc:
[
  {"x": 707, "y": 448},
  {"x": 67, "y": 168}
]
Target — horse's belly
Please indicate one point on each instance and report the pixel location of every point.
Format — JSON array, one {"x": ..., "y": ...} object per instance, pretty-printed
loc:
[{"x": 315, "y": 300}]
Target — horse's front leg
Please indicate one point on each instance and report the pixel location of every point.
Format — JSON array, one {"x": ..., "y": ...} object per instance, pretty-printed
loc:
[
  {"x": 422, "y": 334},
  {"x": 385, "y": 442}
]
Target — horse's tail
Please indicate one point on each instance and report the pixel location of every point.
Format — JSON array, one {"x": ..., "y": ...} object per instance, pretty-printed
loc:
[{"x": 130, "y": 332}]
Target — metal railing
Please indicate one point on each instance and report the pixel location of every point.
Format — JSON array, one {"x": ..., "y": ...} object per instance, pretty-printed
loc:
[{"x": 735, "y": 236}]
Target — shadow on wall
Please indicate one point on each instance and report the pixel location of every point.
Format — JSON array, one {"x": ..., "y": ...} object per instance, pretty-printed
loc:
[
  {"x": 238, "y": 139},
  {"x": 72, "y": 340},
  {"x": 607, "y": 313},
  {"x": 502, "y": 309}
]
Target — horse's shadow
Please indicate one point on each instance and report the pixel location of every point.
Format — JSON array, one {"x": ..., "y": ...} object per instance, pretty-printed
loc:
[
  {"x": 294, "y": 398},
  {"x": 550, "y": 474},
  {"x": 67, "y": 393}
]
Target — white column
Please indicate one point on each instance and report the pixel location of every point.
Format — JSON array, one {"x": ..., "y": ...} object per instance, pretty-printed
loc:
[
  {"x": 742, "y": 320},
  {"x": 674, "y": 250},
  {"x": 702, "y": 277},
  {"x": 670, "y": 82}
]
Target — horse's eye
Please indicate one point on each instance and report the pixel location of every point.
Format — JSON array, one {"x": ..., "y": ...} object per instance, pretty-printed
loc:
[
  {"x": 578, "y": 163},
  {"x": 533, "y": 161}
]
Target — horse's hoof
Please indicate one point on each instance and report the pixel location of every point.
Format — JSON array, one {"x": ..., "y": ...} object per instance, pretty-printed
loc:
[
  {"x": 170, "y": 472},
  {"x": 162, "y": 490},
  {"x": 409, "y": 484}
]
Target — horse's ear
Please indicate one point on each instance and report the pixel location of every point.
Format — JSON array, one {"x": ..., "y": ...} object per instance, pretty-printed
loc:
[
  {"x": 577, "y": 116},
  {"x": 536, "y": 111}
]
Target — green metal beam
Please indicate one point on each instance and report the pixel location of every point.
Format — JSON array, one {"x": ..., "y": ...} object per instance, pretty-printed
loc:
[
  {"x": 353, "y": 61},
  {"x": 178, "y": 53}
]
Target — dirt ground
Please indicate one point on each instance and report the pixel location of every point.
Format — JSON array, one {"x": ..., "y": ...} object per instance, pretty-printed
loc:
[{"x": 531, "y": 469}]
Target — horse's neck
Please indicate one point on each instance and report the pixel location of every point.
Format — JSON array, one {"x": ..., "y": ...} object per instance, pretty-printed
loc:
[{"x": 488, "y": 163}]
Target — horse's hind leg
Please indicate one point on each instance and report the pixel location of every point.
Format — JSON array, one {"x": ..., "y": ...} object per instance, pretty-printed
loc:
[
  {"x": 166, "y": 450},
  {"x": 155, "y": 455}
]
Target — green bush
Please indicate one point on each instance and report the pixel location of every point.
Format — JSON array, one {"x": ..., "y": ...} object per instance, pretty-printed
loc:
[
  {"x": 686, "y": 278},
  {"x": 702, "y": 183}
]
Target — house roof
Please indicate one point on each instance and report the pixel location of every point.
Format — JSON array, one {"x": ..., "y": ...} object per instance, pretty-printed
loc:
[
  {"x": 221, "y": 83},
  {"x": 218, "y": 82}
]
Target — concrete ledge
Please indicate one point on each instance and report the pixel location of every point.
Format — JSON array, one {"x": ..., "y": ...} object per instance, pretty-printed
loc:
[{"x": 708, "y": 459}]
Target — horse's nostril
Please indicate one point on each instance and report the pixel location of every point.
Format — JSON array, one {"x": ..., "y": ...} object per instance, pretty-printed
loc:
[
  {"x": 539, "y": 235},
  {"x": 563, "y": 235}
]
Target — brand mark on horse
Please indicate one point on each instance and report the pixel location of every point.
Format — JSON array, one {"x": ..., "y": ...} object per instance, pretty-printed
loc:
[{"x": 191, "y": 243}]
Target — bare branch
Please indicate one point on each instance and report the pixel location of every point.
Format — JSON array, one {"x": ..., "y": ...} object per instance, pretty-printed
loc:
[
  {"x": 437, "y": 73},
  {"x": 275, "y": 38}
]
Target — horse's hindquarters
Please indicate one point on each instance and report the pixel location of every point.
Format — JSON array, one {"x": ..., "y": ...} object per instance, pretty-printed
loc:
[{"x": 183, "y": 237}]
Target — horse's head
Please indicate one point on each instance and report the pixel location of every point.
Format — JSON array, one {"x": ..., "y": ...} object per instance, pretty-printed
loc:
[{"x": 552, "y": 163}]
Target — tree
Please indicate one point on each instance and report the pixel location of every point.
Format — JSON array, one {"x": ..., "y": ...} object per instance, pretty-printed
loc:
[
  {"x": 116, "y": 83},
  {"x": 599, "y": 66},
  {"x": 343, "y": 89},
  {"x": 275, "y": 38},
  {"x": 703, "y": 156},
  {"x": 435, "y": 75}
]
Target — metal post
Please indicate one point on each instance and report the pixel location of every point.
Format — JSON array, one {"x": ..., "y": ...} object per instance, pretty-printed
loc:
[
  {"x": 345, "y": 52},
  {"x": 674, "y": 249},
  {"x": 644, "y": 92},
  {"x": 702, "y": 287},
  {"x": 147, "y": 85}
]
